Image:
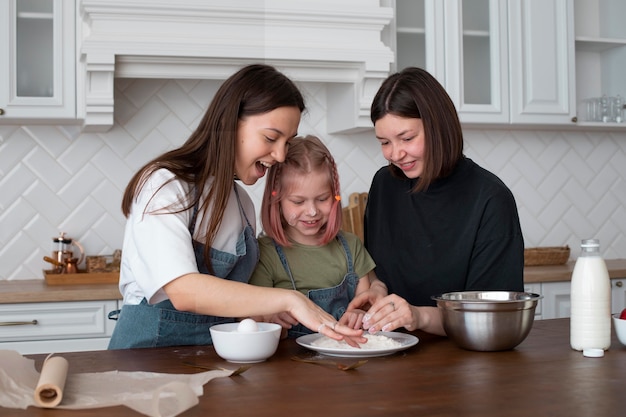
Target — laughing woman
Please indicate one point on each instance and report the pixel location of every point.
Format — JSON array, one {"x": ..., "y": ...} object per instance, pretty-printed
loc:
[{"x": 189, "y": 245}]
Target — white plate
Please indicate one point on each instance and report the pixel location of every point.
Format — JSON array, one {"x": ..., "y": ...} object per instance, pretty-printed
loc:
[{"x": 407, "y": 341}]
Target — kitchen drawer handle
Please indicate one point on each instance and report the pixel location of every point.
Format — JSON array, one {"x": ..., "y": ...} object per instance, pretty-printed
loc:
[
  {"x": 619, "y": 284},
  {"x": 17, "y": 323}
]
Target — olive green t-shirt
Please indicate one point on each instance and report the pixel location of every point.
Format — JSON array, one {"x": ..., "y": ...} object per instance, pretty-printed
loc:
[{"x": 312, "y": 267}]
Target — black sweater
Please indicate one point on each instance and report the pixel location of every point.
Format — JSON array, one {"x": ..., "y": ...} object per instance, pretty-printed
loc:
[{"x": 462, "y": 233}]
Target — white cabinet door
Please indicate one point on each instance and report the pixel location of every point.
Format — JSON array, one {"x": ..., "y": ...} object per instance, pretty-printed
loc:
[
  {"x": 477, "y": 60},
  {"x": 556, "y": 300},
  {"x": 618, "y": 295},
  {"x": 541, "y": 43},
  {"x": 600, "y": 59},
  {"x": 504, "y": 62},
  {"x": 535, "y": 289},
  {"x": 37, "y": 60},
  {"x": 419, "y": 36},
  {"x": 463, "y": 44}
]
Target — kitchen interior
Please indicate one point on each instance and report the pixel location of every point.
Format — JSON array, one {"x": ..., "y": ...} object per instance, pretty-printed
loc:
[
  {"x": 93, "y": 89},
  {"x": 530, "y": 80},
  {"x": 67, "y": 156}
]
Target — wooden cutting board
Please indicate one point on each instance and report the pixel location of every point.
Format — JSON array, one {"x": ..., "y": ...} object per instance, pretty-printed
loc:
[{"x": 81, "y": 278}]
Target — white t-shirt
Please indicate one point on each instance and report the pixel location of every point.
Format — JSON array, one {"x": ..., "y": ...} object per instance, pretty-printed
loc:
[{"x": 158, "y": 247}]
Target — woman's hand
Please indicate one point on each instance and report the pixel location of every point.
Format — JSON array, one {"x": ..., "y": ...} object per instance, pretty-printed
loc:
[
  {"x": 315, "y": 318},
  {"x": 389, "y": 313},
  {"x": 392, "y": 312}
]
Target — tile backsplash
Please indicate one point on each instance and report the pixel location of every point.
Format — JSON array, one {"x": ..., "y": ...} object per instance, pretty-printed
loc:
[{"x": 568, "y": 185}]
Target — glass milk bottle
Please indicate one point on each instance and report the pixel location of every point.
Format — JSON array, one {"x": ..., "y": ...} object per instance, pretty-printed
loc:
[{"x": 590, "y": 323}]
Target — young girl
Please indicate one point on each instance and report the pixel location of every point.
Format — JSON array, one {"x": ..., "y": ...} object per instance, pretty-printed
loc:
[{"x": 303, "y": 248}]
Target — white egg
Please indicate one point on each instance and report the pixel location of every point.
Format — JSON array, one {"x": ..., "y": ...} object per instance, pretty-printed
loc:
[{"x": 247, "y": 326}]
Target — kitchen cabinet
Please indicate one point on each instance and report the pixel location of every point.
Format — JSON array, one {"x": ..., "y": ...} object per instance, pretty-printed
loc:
[
  {"x": 56, "y": 326},
  {"x": 541, "y": 62},
  {"x": 600, "y": 54},
  {"x": 618, "y": 295},
  {"x": 535, "y": 288},
  {"x": 419, "y": 36},
  {"x": 556, "y": 298},
  {"x": 37, "y": 55},
  {"x": 476, "y": 59},
  {"x": 502, "y": 62}
]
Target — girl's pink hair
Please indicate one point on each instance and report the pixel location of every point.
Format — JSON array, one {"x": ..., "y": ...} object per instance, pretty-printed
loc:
[{"x": 304, "y": 155}]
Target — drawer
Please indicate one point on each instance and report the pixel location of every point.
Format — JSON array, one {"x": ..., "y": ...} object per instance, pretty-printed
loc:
[{"x": 53, "y": 321}]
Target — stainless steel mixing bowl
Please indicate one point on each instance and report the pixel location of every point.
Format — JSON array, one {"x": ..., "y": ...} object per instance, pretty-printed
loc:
[{"x": 487, "y": 320}]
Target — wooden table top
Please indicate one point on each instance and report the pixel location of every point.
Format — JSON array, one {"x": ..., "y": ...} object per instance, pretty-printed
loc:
[
  {"x": 37, "y": 291},
  {"x": 555, "y": 273},
  {"x": 543, "y": 376}
]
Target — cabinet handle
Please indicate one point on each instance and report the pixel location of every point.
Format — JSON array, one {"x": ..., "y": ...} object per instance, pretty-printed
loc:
[
  {"x": 619, "y": 284},
  {"x": 1, "y": 112},
  {"x": 17, "y": 323}
]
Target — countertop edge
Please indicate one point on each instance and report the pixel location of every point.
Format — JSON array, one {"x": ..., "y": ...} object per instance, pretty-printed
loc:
[
  {"x": 38, "y": 291},
  {"x": 557, "y": 273}
]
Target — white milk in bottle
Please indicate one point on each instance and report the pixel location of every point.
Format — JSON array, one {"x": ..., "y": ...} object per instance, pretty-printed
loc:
[{"x": 590, "y": 323}]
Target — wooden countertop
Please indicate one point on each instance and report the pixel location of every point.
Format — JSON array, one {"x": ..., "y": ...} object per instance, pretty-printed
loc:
[
  {"x": 553, "y": 273},
  {"x": 37, "y": 291},
  {"x": 542, "y": 376}
]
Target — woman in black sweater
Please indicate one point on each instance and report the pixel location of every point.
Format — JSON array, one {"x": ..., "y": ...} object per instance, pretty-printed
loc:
[{"x": 435, "y": 221}]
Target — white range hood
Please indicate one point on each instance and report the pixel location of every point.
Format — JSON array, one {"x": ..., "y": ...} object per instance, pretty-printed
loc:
[{"x": 330, "y": 41}]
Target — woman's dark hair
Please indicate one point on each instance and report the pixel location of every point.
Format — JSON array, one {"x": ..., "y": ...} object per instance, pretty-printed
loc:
[
  {"x": 414, "y": 93},
  {"x": 209, "y": 153}
]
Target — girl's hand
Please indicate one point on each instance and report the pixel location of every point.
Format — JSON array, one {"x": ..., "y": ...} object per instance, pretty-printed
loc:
[
  {"x": 285, "y": 319},
  {"x": 369, "y": 297},
  {"x": 353, "y": 318}
]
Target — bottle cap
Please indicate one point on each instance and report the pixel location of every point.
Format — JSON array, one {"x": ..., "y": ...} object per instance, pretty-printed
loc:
[
  {"x": 590, "y": 243},
  {"x": 593, "y": 353}
]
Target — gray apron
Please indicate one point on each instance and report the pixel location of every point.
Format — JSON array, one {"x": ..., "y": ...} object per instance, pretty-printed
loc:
[
  {"x": 333, "y": 300},
  {"x": 153, "y": 325}
]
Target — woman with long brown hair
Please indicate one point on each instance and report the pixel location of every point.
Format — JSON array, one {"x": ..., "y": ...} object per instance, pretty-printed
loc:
[{"x": 189, "y": 244}]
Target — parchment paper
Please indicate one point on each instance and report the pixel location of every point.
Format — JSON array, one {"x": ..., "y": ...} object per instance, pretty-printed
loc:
[
  {"x": 149, "y": 393},
  {"x": 49, "y": 389}
]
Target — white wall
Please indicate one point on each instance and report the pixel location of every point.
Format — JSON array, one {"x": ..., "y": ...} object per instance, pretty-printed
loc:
[{"x": 568, "y": 186}]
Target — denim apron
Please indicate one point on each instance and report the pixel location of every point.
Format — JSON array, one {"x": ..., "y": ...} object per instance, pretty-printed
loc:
[
  {"x": 333, "y": 300},
  {"x": 146, "y": 325}
]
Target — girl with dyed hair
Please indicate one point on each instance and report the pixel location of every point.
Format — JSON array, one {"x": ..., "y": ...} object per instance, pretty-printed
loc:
[{"x": 302, "y": 247}]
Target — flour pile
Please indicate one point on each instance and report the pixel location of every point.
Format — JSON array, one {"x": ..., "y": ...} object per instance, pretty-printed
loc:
[{"x": 374, "y": 341}]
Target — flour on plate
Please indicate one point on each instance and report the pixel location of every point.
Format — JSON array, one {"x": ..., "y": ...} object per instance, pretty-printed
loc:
[{"x": 374, "y": 341}]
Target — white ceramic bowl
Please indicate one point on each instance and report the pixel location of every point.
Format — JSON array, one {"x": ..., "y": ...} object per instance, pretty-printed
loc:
[
  {"x": 620, "y": 328},
  {"x": 249, "y": 347}
]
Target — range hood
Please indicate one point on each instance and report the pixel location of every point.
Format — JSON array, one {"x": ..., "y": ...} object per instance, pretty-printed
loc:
[{"x": 330, "y": 41}]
